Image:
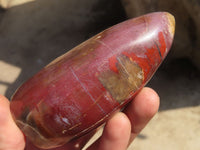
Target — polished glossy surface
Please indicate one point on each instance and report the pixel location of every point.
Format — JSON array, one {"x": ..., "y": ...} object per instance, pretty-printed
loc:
[{"x": 79, "y": 90}]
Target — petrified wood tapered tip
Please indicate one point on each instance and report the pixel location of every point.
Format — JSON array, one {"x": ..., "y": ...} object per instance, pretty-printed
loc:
[
  {"x": 171, "y": 20},
  {"x": 78, "y": 91}
]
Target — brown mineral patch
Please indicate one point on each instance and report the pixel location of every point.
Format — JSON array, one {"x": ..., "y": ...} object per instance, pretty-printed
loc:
[{"x": 129, "y": 78}]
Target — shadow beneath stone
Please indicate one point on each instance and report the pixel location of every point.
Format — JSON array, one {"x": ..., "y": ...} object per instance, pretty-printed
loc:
[
  {"x": 142, "y": 136},
  {"x": 178, "y": 84}
]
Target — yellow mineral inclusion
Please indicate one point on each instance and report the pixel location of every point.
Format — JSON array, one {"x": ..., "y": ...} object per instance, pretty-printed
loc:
[{"x": 171, "y": 25}]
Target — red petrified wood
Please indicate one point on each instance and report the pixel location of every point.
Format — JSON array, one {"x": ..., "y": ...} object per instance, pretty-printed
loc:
[{"x": 79, "y": 90}]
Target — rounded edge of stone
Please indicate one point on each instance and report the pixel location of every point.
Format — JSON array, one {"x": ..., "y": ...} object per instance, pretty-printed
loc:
[{"x": 171, "y": 24}]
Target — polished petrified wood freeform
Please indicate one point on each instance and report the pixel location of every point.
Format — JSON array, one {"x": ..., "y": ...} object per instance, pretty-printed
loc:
[{"x": 79, "y": 90}]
